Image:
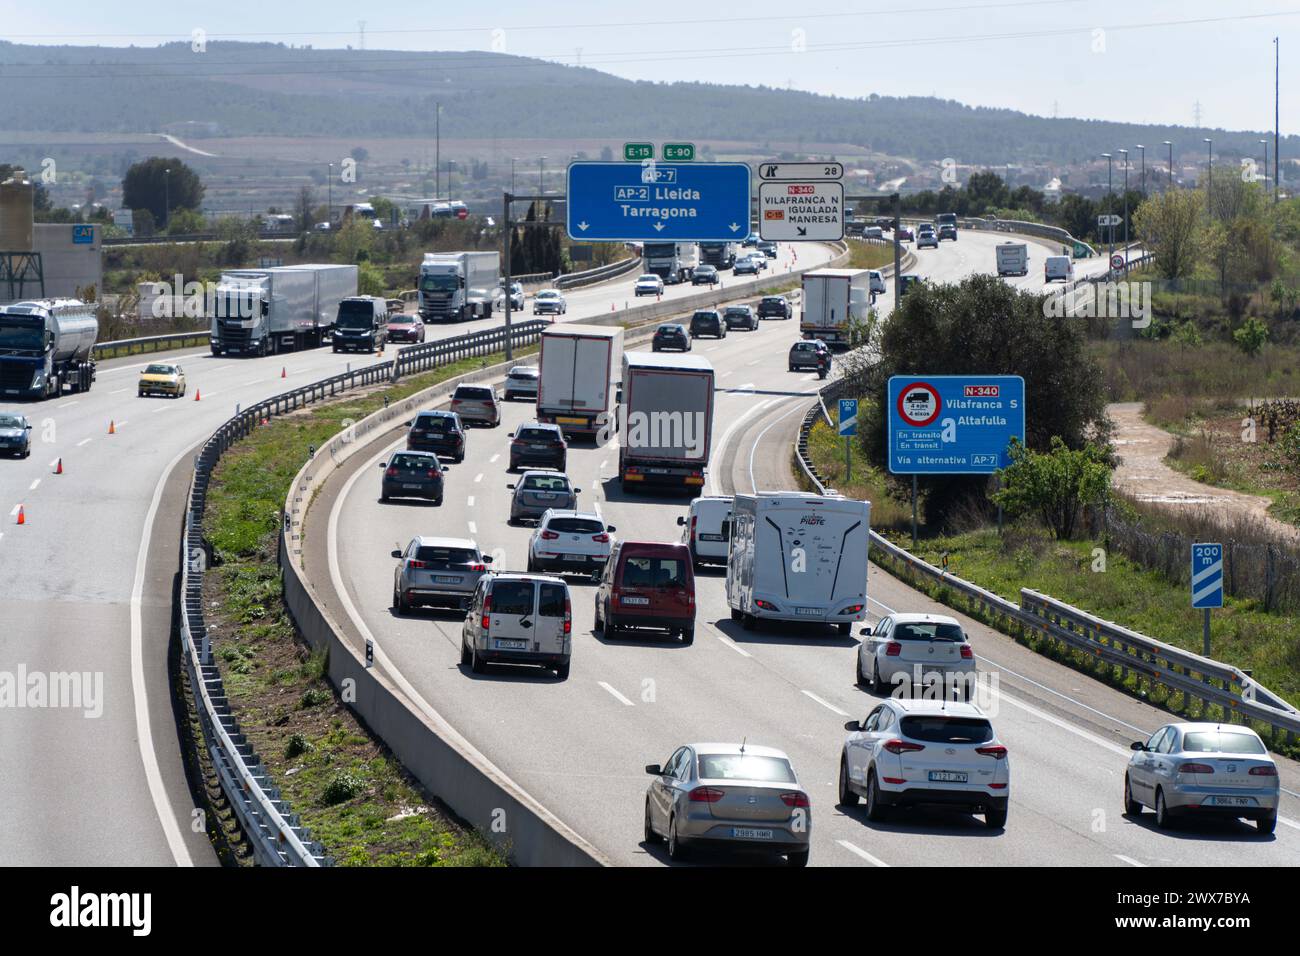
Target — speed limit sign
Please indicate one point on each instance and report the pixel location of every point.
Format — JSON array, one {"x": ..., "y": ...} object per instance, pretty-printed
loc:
[{"x": 1117, "y": 261}]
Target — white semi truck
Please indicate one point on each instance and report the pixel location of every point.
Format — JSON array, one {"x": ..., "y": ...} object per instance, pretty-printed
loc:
[
  {"x": 666, "y": 420},
  {"x": 832, "y": 301},
  {"x": 579, "y": 366},
  {"x": 798, "y": 557},
  {"x": 673, "y": 262},
  {"x": 456, "y": 286},
  {"x": 281, "y": 309}
]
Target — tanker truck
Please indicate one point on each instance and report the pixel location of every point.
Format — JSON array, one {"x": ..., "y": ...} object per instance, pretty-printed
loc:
[{"x": 45, "y": 345}]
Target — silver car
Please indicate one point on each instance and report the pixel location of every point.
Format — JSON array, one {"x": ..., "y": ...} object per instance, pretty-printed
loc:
[
  {"x": 477, "y": 403},
  {"x": 522, "y": 381},
  {"x": 916, "y": 650},
  {"x": 732, "y": 796},
  {"x": 1199, "y": 770},
  {"x": 537, "y": 492},
  {"x": 437, "y": 572}
]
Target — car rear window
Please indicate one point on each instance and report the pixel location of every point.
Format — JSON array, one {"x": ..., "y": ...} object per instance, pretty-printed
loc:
[
  {"x": 523, "y": 373},
  {"x": 546, "y": 483},
  {"x": 438, "y": 423},
  {"x": 648, "y": 572},
  {"x": 550, "y": 601},
  {"x": 413, "y": 461},
  {"x": 576, "y": 526},
  {"x": 1221, "y": 742},
  {"x": 537, "y": 434},
  {"x": 773, "y": 300},
  {"x": 939, "y": 729},
  {"x": 445, "y": 557},
  {"x": 512, "y": 597},
  {"x": 745, "y": 767},
  {"x": 473, "y": 391},
  {"x": 926, "y": 632},
  {"x": 738, "y": 310}
]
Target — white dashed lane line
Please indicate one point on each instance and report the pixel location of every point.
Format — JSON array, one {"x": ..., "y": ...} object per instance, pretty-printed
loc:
[
  {"x": 825, "y": 703},
  {"x": 874, "y": 861},
  {"x": 615, "y": 694}
]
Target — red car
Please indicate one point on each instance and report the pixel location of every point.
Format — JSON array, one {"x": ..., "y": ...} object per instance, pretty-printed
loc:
[
  {"x": 405, "y": 328},
  {"x": 647, "y": 584}
]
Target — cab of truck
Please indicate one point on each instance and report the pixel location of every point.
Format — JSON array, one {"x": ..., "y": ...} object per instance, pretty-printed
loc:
[{"x": 362, "y": 324}]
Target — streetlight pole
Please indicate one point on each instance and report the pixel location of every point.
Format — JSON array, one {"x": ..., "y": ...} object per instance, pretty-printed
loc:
[
  {"x": 167, "y": 198},
  {"x": 1171, "y": 163},
  {"x": 1125, "y": 153},
  {"x": 1209, "y": 178},
  {"x": 1264, "y": 143},
  {"x": 329, "y": 202},
  {"x": 1110, "y": 202},
  {"x": 437, "y": 150},
  {"x": 1144, "y": 169},
  {"x": 513, "y": 160},
  {"x": 541, "y": 176}
]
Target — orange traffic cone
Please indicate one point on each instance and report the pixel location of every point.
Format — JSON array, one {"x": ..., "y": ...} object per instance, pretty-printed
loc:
[
  {"x": 283, "y": 372},
  {"x": 58, "y": 469},
  {"x": 198, "y": 394},
  {"x": 22, "y": 515},
  {"x": 112, "y": 428}
]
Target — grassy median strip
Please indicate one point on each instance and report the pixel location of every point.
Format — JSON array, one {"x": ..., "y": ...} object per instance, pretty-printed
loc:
[
  {"x": 868, "y": 255},
  {"x": 351, "y": 792}
]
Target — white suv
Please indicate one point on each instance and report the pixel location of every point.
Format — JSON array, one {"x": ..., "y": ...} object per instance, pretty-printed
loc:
[
  {"x": 578, "y": 542},
  {"x": 925, "y": 752},
  {"x": 649, "y": 284}
]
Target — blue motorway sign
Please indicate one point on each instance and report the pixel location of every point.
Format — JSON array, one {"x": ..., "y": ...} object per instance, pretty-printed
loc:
[
  {"x": 848, "y": 416},
  {"x": 83, "y": 234},
  {"x": 1207, "y": 575},
  {"x": 658, "y": 202},
  {"x": 953, "y": 424}
]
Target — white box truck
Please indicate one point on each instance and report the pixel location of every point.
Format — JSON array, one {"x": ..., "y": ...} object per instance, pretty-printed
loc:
[
  {"x": 579, "y": 366},
  {"x": 673, "y": 262},
  {"x": 286, "y": 308},
  {"x": 798, "y": 557},
  {"x": 455, "y": 286},
  {"x": 832, "y": 300},
  {"x": 665, "y": 420},
  {"x": 1013, "y": 259}
]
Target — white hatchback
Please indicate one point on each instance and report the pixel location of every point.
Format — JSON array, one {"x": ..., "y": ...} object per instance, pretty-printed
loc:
[
  {"x": 925, "y": 753},
  {"x": 649, "y": 284},
  {"x": 577, "y": 542}
]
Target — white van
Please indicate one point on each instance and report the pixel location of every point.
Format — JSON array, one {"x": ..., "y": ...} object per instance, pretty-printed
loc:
[
  {"x": 798, "y": 557},
  {"x": 877, "y": 282},
  {"x": 518, "y": 619},
  {"x": 1058, "y": 267},
  {"x": 706, "y": 529}
]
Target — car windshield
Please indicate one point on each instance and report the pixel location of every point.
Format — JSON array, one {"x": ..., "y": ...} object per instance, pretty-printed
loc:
[
  {"x": 941, "y": 729},
  {"x": 546, "y": 483},
  {"x": 647, "y": 572},
  {"x": 160, "y": 370},
  {"x": 746, "y": 767},
  {"x": 1222, "y": 742},
  {"x": 437, "y": 423},
  {"x": 548, "y": 294},
  {"x": 576, "y": 525},
  {"x": 923, "y": 631},
  {"x": 538, "y": 434},
  {"x": 441, "y": 557},
  {"x": 10, "y": 421},
  {"x": 654, "y": 280},
  {"x": 439, "y": 282}
]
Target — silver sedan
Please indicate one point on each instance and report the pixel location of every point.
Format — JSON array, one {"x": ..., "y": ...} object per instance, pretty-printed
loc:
[
  {"x": 1198, "y": 770},
  {"x": 731, "y": 796}
]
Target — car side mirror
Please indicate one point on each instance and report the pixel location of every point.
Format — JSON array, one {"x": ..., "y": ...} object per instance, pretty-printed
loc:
[
  {"x": 486, "y": 559},
  {"x": 446, "y": 468},
  {"x": 397, "y": 554},
  {"x": 655, "y": 769},
  {"x": 511, "y": 487},
  {"x": 866, "y": 630},
  {"x": 383, "y": 464},
  {"x": 1137, "y": 745},
  {"x": 28, "y": 427},
  {"x": 577, "y": 491},
  {"x": 853, "y": 725},
  {"x": 681, "y": 521},
  {"x": 610, "y": 527}
]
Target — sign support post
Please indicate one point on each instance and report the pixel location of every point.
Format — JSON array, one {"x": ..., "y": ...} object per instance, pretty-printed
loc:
[
  {"x": 506, "y": 235},
  {"x": 1207, "y": 584},
  {"x": 913, "y": 511},
  {"x": 848, "y": 427}
]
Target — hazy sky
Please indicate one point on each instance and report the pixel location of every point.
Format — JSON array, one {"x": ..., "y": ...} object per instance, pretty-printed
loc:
[{"x": 1145, "y": 61}]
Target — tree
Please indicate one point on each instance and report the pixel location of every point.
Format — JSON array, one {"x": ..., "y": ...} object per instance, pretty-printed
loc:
[
  {"x": 304, "y": 208},
  {"x": 185, "y": 222},
  {"x": 148, "y": 185},
  {"x": 1172, "y": 226},
  {"x": 1250, "y": 338},
  {"x": 1056, "y": 485}
]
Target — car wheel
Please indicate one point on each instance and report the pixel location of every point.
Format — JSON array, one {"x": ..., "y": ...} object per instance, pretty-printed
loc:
[
  {"x": 859, "y": 678},
  {"x": 1132, "y": 808},
  {"x": 465, "y": 656},
  {"x": 676, "y": 849},
  {"x": 735, "y": 614},
  {"x": 1163, "y": 818},
  {"x": 1268, "y": 824},
  {"x": 845, "y": 628},
  {"x": 476, "y": 662},
  {"x": 399, "y": 604},
  {"x": 383, "y": 496},
  {"x": 995, "y": 818},
  {"x": 848, "y": 798},
  {"x": 438, "y": 501},
  {"x": 650, "y": 836},
  {"x": 875, "y": 808},
  {"x": 688, "y": 635},
  {"x": 562, "y": 671},
  {"x": 532, "y": 567},
  {"x": 600, "y": 622},
  {"x": 797, "y": 859},
  {"x": 877, "y": 685},
  {"x": 748, "y": 621}
]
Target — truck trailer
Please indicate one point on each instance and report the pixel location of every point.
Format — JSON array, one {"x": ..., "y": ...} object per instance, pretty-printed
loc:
[
  {"x": 579, "y": 364},
  {"x": 666, "y": 420},
  {"x": 796, "y": 556},
  {"x": 456, "y": 286},
  {"x": 45, "y": 346},
  {"x": 674, "y": 262},
  {"x": 832, "y": 301},
  {"x": 281, "y": 309}
]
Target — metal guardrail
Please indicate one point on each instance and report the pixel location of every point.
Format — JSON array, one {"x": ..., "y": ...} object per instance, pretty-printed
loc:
[
  {"x": 418, "y": 358},
  {"x": 274, "y": 831},
  {"x": 574, "y": 280},
  {"x": 150, "y": 343},
  {"x": 1193, "y": 676}
]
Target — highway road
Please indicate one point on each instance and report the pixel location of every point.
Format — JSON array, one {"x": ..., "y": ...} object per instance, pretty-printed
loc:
[
  {"x": 579, "y": 745},
  {"x": 88, "y": 578}
]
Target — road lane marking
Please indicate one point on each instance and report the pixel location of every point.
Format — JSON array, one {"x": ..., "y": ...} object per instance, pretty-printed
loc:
[
  {"x": 161, "y": 408},
  {"x": 32, "y": 486},
  {"x": 825, "y": 703},
  {"x": 470, "y": 501},
  {"x": 54, "y": 463},
  {"x": 728, "y": 642},
  {"x": 119, "y": 391},
  {"x": 1129, "y": 860},
  {"x": 83, "y": 441},
  {"x": 721, "y": 444},
  {"x": 494, "y": 458},
  {"x": 68, "y": 404},
  {"x": 874, "y": 861},
  {"x": 14, "y": 513},
  {"x": 478, "y": 477},
  {"x": 473, "y": 528},
  {"x": 753, "y": 482},
  {"x": 617, "y": 696}
]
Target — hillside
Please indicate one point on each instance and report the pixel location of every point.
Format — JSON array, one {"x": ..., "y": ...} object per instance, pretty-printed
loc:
[{"x": 251, "y": 89}]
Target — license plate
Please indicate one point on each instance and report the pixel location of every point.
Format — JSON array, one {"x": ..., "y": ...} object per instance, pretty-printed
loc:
[
  {"x": 750, "y": 833},
  {"x": 411, "y": 487},
  {"x": 636, "y": 600},
  {"x": 543, "y": 495},
  {"x": 947, "y": 776},
  {"x": 1231, "y": 801},
  {"x": 503, "y": 645},
  {"x": 809, "y": 611},
  {"x": 447, "y": 579},
  {"x": 570, "y": 421},
  {"x": 711, "y": 537},
  {"x": 538, "y": 447}
]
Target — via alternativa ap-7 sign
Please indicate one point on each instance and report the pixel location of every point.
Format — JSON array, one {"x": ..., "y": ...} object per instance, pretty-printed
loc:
[{"x": 953, "y": 424}]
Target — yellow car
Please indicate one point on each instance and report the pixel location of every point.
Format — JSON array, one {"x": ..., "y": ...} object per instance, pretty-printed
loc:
[{"x": 162, "y": 380}]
